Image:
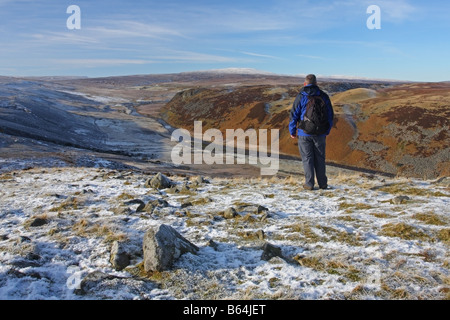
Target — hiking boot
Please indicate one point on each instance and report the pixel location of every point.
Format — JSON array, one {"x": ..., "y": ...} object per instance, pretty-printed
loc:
[
  {"x": 306, "y": 187},
  {"x": 325, "y": 187}
]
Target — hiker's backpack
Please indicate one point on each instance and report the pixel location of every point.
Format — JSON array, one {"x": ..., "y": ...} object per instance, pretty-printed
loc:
[{"x": 315, "y": 120}]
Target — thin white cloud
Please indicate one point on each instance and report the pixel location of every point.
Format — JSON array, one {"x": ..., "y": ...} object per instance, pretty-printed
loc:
[
  {"x": 132, "y": 29},
  {"x": 259, "y": 55},
  {"x": 397, "y": 11},
  {"x": 62, "y": 37},
  {"x": 92, "y": 63},
  {"x": 310, "y": 57},
  {"x": 189, "y": 56}
]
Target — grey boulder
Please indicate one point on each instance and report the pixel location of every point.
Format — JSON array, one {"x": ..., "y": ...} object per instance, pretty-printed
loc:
[{"x": 162, "y": 246}]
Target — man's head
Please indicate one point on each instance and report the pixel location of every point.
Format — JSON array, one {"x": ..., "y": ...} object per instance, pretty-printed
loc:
[{"x": 310, "y": 79}]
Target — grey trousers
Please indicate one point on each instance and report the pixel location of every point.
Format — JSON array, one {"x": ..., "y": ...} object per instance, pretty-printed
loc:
[{"x": 312, "y": 151}]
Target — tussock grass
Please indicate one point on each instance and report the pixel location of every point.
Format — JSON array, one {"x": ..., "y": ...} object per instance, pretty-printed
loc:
[
  {"x": 349, "y": 206},
  {"x": 444, "y": 235},
  {"x": 304, "y": 231},
  {"x": 406, "y": 189},
  {"x": 330, "y": 266},
  {"x": 429, "y": 218},
  {"x": 403, "y": 231},
  {"x": 382, "y": 215},
  {"x": 86, "y": 229},
  {"x": 6, "y": 176},
  {"x": 71, "y": 203}
]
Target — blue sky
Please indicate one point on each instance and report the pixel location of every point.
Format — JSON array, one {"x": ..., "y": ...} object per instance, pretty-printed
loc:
[{"x": 328, "y": 38}]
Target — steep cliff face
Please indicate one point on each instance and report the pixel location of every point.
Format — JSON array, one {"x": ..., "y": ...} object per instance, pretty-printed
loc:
[{"x": 400, "y": 129}]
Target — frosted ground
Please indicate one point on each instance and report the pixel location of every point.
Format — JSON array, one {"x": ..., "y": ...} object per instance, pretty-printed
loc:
[{"x": 370, "y": 237}]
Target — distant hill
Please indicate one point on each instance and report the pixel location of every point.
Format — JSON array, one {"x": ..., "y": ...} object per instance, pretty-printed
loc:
[{"x": 397, "y": 129}]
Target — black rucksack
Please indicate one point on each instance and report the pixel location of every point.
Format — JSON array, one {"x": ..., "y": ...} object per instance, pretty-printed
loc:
[{"x": 315, "y": 121}]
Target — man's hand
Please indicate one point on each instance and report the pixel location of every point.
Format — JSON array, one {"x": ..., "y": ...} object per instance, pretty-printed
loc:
[{"x": 293, "y": 137}]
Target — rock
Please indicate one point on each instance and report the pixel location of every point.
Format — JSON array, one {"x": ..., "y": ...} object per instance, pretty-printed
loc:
[
  {"x": 149, "y": 208},
  {"x": 122, "y": 210},
  {"x": 400, "y": 199},
  {"x": 260, "y": 234},
  {"x": 139, "y": 202},
  {"x": 38, "y": 222},
  {"x": 213, "y": 244},
  {"x": 186, "y": 204},
  {"x": 119, "y": 257},
  {"x": 24, "y": 239},
  {"x": 270, "y": 251},
  {"x": 101, "y": 286},
  {"x": 261, "y": 209},
  {"x": 159, "y": 182},
  {"x": 200, "y": 180},
  {"x": 230, "y": 213},
  {"x": 91, "y": 281},
  {"x": 249, "y": 218},
  {"x": 163, "y": 245},
  {"x": 159, "y": 203}
]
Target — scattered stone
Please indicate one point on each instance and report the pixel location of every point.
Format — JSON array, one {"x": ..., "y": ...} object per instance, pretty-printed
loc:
[
  {"x": 230, "y": 213},
  {"x": 249, "y": 218},
  {"x": 149, "y": 208},
  {"x": 159, "y": 182},
  {"x": 32, "y": 256},
  {"x": 260, "y": 234},
  {"x": 91, "y": 281},
  {"x": 213, "y": 244},
  {"x": 119, "y": 257},
  {"x": 200, "y": 180},
  {"x": 400, "y": 199},
  {"x": 15, "y": 273},
  {"x": 139, "y": 202},
  {"x": 270, "y": 251},
  {"x": 184, "y": 188},
  {"x": 261, "y": 209},
  {"x": 23, "y": 239},
  {"x": 173, "y": 189},
  {"x": 38, "y": 222},
  {"x": 186, "y": 204},
  {"x": 180, "y": 214},
  {"x": 162, "y": 245},
  {"x": 252, "y": 208},
  {"x": 4, "y": 237},
  {"x": 264, "y": 217},
  {"x": 122, "y": 210},
  {"x": 23, "y": 263},
  {"x": 159, "y": 203}
]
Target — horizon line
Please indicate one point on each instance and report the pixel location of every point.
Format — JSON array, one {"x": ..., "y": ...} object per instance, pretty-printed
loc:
[{"x": 230, "y": 71}]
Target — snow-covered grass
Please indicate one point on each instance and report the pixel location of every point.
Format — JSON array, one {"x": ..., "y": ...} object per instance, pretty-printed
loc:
[{"x": 366, "y": 238}]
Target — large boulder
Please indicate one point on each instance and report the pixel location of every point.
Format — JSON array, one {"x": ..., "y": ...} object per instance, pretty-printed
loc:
[
  {"x": 119, "y": 256},
  {"x": 162, "y": 246},
  {"x": 159, "y": 182}
]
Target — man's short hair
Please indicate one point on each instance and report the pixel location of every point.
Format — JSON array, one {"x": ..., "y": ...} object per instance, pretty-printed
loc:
[{"x": 311, "y": 79}]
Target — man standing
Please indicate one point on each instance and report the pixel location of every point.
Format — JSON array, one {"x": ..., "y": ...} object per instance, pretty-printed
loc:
[{"x": 311, "y": 120}]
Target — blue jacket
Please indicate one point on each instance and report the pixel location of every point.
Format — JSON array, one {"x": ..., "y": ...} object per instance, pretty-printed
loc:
[{"x": 299, "y": 109}]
